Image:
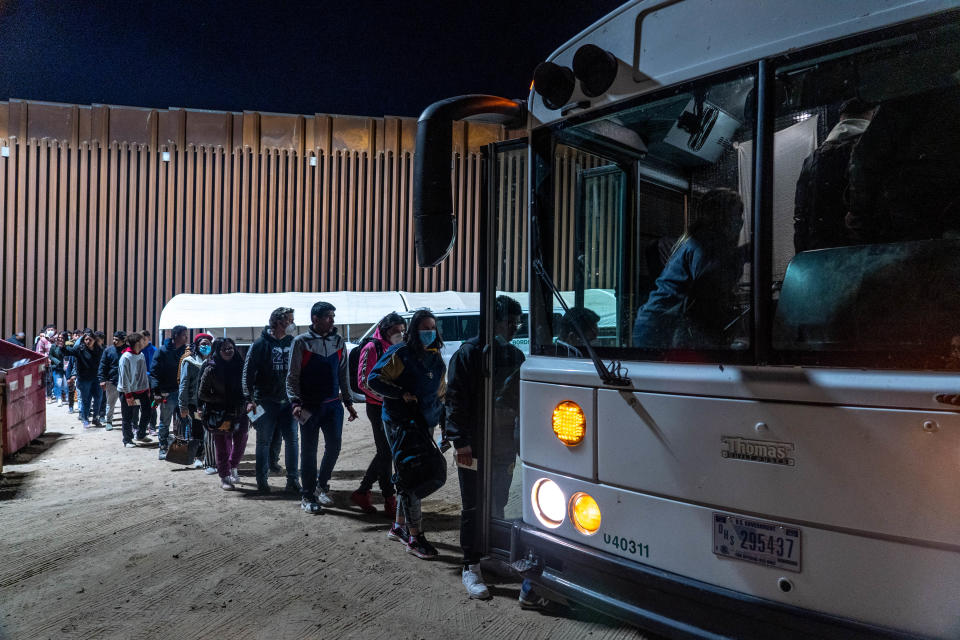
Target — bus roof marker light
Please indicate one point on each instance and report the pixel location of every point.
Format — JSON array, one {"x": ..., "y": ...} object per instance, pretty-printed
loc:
[
  {"x": 585, "y": 513},
  {"x": 569, "y": 423},
  {"x": 595, "y": 68},
  {"x": 554, "y": 84},
  {"x": 548, "y": 502}
]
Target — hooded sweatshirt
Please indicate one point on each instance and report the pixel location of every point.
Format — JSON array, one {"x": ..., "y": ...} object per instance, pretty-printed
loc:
[
  {"x": 163, "y": 372},
  {"x": 132, "y": 376},
  {"x": 86, "y": 361},
  {"x": 318, "y": 370},
  {"x": 265, "y": 369},
  {"x": 369, "y": 355}
]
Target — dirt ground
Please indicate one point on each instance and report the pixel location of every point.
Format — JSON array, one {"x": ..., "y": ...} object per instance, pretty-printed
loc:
[{"x": 99, "y": 541}]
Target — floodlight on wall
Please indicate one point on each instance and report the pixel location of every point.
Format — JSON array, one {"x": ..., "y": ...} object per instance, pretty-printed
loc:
[
  {"x": 5, "y": 152},
  {"x": 313, "y": 161},
  {"x": 165, "y": 156}
]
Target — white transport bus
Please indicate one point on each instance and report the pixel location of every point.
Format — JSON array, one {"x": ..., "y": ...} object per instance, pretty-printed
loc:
[{"x": 765, "y": 443}]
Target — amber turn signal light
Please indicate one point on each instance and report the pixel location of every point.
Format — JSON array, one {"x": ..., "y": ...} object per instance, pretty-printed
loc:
[
  {"x": 569, "y": 423},
  {"x": 585, "y": 513}
]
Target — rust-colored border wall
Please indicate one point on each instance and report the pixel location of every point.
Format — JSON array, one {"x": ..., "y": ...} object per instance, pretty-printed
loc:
[{"x": 108, "y": 212}]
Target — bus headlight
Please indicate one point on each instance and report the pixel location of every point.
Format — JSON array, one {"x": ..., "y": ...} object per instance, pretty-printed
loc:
[
  {"x": 585, "y": 513},
  {"x": 569, "y": 423},
  {"x": 549, "y": 503}
]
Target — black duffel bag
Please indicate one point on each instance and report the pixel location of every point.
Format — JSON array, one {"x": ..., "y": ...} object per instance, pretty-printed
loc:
[{"x": 421, "y": 467}]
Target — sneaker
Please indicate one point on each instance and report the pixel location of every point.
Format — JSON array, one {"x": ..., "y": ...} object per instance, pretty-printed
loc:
[
  {"x": 398, "y": 532},
  {"x": 162, "y": 454},
  {"x": 146, "y": 438},
  {"x": 324, "y": 497},
  {"x": 129, "y": 445},
  {"x": 70, "y": 410},
  {"x": 59, "y": 403},
  {"x": 108, "y": 426},
  {"x": 362, "y": 500},
  {"x": 96, "y": 424},
  {"x": 418, "y": 546},
  {"x": 263, "y": 488},
  {"x": 310, "y": 506},
  {"x": 293, "y": 486},
  {"x": 197, "y": 464},
  {"x": 529, "y": 599},
  {"x": 85, "y": 424},
  {"x": 235, "y": 474},
  {"x": 390, "y": 506},
  {"x": 226, "y": 484},
  {"x": 473, "y": 581},
  {"x": 210, "y": 471}
]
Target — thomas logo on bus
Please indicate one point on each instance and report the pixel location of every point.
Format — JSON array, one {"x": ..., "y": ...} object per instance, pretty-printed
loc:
[{"x": 757, "y": 450}]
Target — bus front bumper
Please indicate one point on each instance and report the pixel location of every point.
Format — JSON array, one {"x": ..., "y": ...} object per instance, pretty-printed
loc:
[{"x": 667, "y": 603}]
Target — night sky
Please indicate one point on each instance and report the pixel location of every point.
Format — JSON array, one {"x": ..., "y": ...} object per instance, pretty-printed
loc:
[{"x": 357, "y": 58}]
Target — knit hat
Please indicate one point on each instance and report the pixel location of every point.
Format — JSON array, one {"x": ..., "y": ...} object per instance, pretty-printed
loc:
[{"x": 201, "y": 336}]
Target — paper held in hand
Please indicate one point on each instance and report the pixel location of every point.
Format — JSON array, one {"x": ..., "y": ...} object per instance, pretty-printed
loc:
[{"x": 257, "y": 412}]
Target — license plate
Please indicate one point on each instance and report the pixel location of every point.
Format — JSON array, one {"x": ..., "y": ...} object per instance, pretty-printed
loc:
[{"x": 760, "y": 541}]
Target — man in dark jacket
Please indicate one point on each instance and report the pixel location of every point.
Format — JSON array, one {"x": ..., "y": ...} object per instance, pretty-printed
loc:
[
  {"x": 163, "y": 381},
  {"x": 19, "y": 339},
  {"x": 87, "y": 354},
  {"x": 465, "y": 420},
  {"x": 318, "y": 389},
  {"x": 265, "y": 385},
  {"x": 109, "y": 372},
  {"x": 820, "y": 204}
]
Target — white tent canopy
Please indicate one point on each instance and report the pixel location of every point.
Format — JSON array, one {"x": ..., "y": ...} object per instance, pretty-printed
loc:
[{"x": 242, "y": 310}]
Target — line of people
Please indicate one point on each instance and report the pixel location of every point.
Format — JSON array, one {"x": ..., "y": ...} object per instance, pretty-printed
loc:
[{"x": 293, "y": 389}]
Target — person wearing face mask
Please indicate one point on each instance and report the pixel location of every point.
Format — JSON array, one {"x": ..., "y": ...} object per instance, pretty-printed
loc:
[
  {"x": 694, "y": 302},
  {"x": 57, "y": 367},
  {"x": 389, "y": 332},
  {"x": 224, "y": 409},
  {"x": 108, "y": 373},
  {"x": 411, "y": 378},
  {"x": 264, "y": 385},
  {"x": 189, "y": 403}
]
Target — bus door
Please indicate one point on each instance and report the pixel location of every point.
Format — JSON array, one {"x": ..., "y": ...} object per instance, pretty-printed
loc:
[{"x": 505, "y": 273}]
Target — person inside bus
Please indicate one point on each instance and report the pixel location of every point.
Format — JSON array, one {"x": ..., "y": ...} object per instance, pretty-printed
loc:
[
  {"x": 903, "y": 171},
  {"x": 693, "y": 302},
  {"x": 569, "y": 344},
  {"x": 820, "y": 203}
]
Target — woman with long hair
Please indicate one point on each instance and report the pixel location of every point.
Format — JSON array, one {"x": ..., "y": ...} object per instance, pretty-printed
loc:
[
  {"x": 224, "y": 409},
  {"x": 693, "y": 301},
  {"x": 411, "y": 379},
  {"x": 389, "y": 332},
  {"x": 188, "y": 398}
]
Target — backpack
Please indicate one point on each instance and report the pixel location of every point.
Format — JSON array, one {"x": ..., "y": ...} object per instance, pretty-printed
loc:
[
  {"x": 420, "y": 466},
  {"x": 353, "y": 361}
]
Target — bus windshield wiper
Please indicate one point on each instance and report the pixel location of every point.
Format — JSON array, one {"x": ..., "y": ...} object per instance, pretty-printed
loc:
[{"x": 610, "y": 374}]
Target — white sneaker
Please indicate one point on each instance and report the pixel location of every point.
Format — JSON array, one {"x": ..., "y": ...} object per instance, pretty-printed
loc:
[
  {"x": 197, "y": 464},
  {"x": 59, "y": 403},
  {"x": 235, "y": 475},
  {"x": 210, "y": 471},
  {"x": 473, "y": 580},
  {"x": 324, "y": 498},
  {"x": 226, "y": 483}
]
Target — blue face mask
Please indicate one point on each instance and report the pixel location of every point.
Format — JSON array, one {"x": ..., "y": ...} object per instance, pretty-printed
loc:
[
  {"x": 204, "y": 349},
  {"x": 427, "y": 337}
]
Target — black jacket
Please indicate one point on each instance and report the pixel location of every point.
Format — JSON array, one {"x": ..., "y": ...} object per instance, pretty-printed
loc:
[
  {"x": 166, "y": 363},
  {"x": 56, "y": 356},
  {"x": 109, "y": 370},
  {"x": 265, "y": 369},
  {"x": 87, "y": 361},
  {"x": 464, "y": 397}
]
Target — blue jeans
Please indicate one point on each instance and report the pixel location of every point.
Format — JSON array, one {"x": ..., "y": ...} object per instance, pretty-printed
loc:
[
  {"x": 59, "y": 385},
  {"x": 90, "y": 399},
  {"x": 167, "y": 410},
  {"x": 327, "y": 418},
  {"x": 278, "y": 418}
]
